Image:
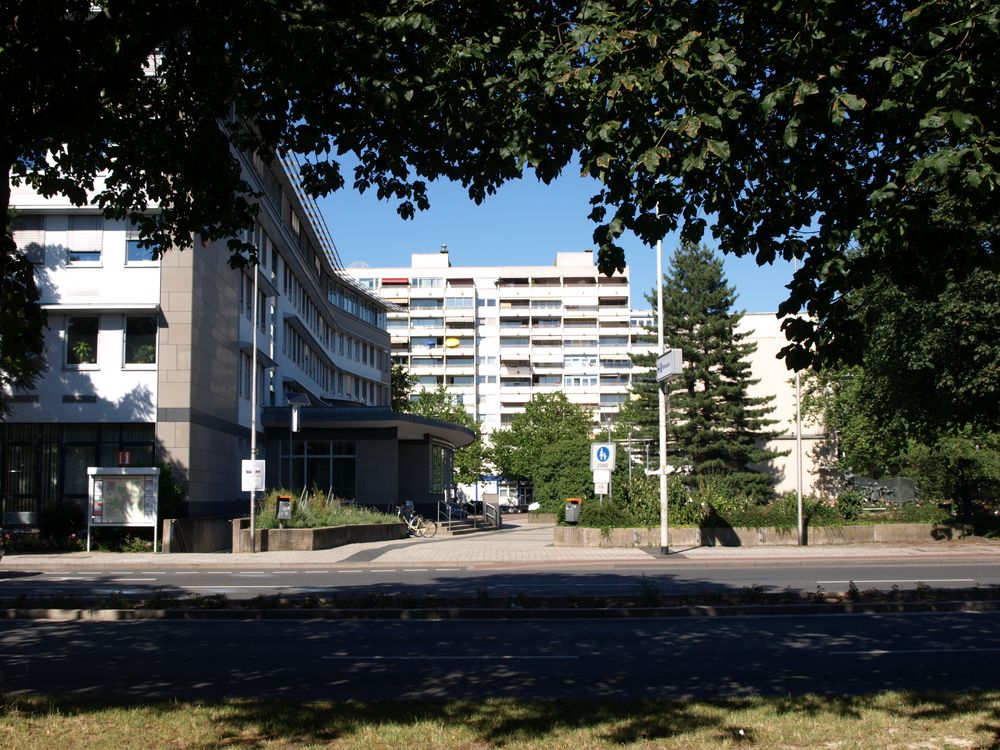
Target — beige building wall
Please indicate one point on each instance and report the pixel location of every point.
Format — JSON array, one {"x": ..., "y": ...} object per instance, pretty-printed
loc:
[
  {"x": 198, "y": 427},
  {"x": 777, "y": 381}
]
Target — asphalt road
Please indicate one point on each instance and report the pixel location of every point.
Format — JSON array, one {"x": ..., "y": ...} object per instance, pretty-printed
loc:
[
  {"x": 532, "y": 659},
  {"x": 475, "y": 582}
]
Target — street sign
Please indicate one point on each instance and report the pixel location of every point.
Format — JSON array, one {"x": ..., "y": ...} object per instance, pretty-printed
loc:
[
  {"x": 602, "y": 456},
  {"x": 600, "y": 488},
  {"x": 602, "y": 476},
  {"x": 253, "y": 475},
  {"x": 669, "y": 364}
]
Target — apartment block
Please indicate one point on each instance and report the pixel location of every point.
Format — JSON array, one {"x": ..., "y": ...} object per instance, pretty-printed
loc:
[{"x": 494, "y": 336}]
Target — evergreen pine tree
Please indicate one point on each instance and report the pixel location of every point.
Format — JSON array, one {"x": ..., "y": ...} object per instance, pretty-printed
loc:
[{"x": 716, "y": 427}]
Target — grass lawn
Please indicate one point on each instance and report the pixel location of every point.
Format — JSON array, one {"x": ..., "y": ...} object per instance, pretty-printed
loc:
[{"x": 886, "y": 721}]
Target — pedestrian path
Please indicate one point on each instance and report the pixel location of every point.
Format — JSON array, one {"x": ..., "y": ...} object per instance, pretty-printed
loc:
[{"x": 514, "y": 545}]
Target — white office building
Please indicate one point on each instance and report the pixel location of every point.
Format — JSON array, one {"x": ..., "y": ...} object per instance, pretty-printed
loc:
[
  {"x": 150, "y": 361},
  {"x": 494, "y": 336}
]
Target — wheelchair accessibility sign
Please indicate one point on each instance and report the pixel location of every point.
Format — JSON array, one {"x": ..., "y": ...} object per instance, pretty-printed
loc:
[{"x": 602, "y": 456}]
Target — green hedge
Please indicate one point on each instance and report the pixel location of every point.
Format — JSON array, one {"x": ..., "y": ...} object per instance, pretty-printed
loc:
[{"x": 729, "y": 501}]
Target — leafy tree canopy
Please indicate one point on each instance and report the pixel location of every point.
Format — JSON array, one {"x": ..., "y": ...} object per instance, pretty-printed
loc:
[
  {"x": 403, "y": 382},
  {"x": 799, "y": 129},
  {"x": 550, "y": 444},
  {"x": 439, "y": 404}
]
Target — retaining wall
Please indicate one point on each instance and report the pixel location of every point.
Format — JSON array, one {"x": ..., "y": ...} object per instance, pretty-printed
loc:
[
  {"x": 196, "y": 534},
  {"x": 897, "y": 533},
  {"x": 326, "y": 537}
]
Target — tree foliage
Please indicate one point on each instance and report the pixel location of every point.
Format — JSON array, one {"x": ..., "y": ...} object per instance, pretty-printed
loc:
[
  {"x": 716, "y": 427},
  {"x": 802, "y": 129},
  {"x": 22, "y": 320},
  {"x": 550, "y": 444},
  {"x": 924, "y": 400},
  {"x": 439, "y": 404},
  {"x": 403, "y": 382}
]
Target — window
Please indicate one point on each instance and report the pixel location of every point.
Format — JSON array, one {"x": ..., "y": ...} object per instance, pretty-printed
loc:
[
  {"x": 140, "y": 340},
  {"x": 441, "y": 468},
  {"x": 86, "y": 238},
  {"x": 81, "y": 340},
  {"x": 426, "y": 282},
  {"x": 134, "y": 252},
  {"x": 29, "y": 236},
  {"x": 459, "y": 303}
]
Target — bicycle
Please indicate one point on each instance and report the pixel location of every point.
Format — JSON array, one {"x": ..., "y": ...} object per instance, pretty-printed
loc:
[{"x": 417, "y": 525}]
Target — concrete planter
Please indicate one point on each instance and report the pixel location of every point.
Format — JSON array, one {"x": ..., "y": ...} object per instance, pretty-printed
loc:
[
  {"x": 897, "y": 533},
  {"x": 326, "y": 537}
]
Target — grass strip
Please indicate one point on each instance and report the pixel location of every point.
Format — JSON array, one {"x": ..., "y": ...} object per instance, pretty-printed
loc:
[{"x": 886, "y": 720}]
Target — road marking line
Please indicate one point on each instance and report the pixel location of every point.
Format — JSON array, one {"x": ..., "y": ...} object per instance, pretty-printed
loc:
[
  {"x": 130, "y": 580},
  {"x": 442, "y": 570},
  {"x": 910, "y": 652},
  {"x": 415, "y": 570},
  {"x": 906, "y": 580},
  {"x": 352, "y": 571},
  {"x": 75, "y": 578},
  {"x": 383, "y": 570},
  {"x": 442, "y": 657}
]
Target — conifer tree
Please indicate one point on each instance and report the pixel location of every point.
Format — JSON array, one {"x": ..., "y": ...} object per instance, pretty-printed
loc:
[{"x": 716, "y": 427}]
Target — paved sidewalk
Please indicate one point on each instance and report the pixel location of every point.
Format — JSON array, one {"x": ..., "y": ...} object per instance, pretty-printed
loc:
[{"x": 527, "y": 545}]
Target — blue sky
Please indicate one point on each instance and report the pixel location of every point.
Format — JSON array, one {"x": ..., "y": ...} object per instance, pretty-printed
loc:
[{"x": 525, "y": 223}]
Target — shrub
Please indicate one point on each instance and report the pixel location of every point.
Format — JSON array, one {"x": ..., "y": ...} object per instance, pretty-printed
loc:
[
  {"x": 311, "y": 510},
  {"x": 850, "y": 504},
  {"x": 60, "y": 520}
]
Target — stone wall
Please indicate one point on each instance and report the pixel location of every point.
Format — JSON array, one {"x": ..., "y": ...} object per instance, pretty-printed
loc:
[{"x": 896, "y": 533}]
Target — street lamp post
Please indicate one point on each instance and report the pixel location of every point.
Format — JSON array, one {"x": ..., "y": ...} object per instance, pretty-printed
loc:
[
  {"x": 661, "y": 401},
  {"x": 253, "y": 410}
]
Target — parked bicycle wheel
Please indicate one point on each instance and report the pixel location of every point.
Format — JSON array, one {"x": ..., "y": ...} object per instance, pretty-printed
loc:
[{"x": 429, "y": 529}]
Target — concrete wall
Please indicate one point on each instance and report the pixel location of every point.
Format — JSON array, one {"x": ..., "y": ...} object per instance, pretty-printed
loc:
[
  {"x": 197, "y": 534},
  {"x": 900, "y": 533},
  {"x": 300, "y": 540},
  {"x": 197, "y": 414}
]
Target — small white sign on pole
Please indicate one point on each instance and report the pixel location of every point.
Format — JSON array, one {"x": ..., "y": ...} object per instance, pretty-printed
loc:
[
  {"x": 602, "y": 456},
  {"x": 602, "y": 476},
  {"x": 253, "y": 475},
  {"x": 600, "y": 488},
  {"x": 668, "y": 364}
]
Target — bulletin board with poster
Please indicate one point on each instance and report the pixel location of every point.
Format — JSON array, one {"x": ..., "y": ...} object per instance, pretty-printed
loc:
[{"x": 122, "y": 497}]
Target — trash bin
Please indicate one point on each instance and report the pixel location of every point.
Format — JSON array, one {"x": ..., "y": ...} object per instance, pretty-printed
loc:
[{"x": 572, "y": 511}]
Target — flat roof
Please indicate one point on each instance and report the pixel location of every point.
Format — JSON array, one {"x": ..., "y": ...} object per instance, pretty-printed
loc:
[{"x": 407, "y": 426}]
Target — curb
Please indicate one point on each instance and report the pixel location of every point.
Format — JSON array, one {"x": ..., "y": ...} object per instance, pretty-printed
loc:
[{"x": 483, "y": 613}]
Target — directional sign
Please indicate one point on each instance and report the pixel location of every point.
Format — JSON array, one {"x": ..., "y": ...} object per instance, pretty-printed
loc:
[
  {"x": 669, "y": 364},
  {"x": 602, "y": 456}
]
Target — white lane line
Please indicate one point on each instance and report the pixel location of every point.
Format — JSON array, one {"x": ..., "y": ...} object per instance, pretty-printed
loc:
[
  {"x": 383, "y": 570},
  {"x": 441, "y": 657},
  {"x": 351, "y": 571},
  {"x": 415, "y": 570},
  {"x": 130, "y": 580},
  {"x": 905, "y": 580},
  {"x": 75, "y": 578},
  {"x": 187, "y": 573},
  {"x": 446, "y": 570},
  {"x": 910, "y": 652}
]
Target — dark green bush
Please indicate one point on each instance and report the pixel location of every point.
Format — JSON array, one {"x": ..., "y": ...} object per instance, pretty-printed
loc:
[
  {"x": 850, "y": 504},
  {"x": 61, "y": 520}
]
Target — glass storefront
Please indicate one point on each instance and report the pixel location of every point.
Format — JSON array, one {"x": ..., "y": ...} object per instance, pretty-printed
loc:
[
  {"x": 329, "y": 465},
  {"x": 47, "y": 463}
]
